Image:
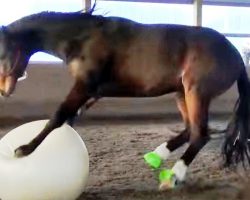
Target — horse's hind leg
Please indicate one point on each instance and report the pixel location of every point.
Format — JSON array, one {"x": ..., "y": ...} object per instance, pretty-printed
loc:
[
  {"x": 183, "y": 137},
  {"x": 164, "y": 150},
  {"x": 197, "y": 107}
]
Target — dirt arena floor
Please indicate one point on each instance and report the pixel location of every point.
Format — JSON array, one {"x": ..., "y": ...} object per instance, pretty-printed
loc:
[
  {"x": 117, "y": 140},
  {"x": 116, "y": 146},
  {"x": 117, "y": 170}
]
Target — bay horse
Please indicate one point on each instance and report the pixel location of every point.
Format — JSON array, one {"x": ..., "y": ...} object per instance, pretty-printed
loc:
[{"x": 117, "y": 57}]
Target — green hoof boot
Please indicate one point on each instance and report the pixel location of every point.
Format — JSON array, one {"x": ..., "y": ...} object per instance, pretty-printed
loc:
[
  {"x": 167, "y": 179},
  {"x": 153, "y": 160}
]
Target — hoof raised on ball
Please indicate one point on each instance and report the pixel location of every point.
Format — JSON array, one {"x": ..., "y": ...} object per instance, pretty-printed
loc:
[
  {"x": 57, "y": 170},
  {"x": 23, "y": 150}
]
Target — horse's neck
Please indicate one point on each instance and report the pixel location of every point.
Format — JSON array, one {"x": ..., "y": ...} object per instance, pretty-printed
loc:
[
  {"x": 56, "y": 37},
  {"x": 51, "y": 37}
]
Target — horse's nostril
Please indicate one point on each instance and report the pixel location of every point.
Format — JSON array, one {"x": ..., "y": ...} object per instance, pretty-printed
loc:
[{"x": 2, "y": 93}]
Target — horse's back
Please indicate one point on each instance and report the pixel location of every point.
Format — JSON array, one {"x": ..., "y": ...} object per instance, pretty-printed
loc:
[
  {"x": 151, "y": 60},
  {"x": 155, "y": 57}
]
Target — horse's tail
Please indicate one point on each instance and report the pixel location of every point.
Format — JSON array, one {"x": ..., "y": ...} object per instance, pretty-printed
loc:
[{"x": 237, "y": 147}]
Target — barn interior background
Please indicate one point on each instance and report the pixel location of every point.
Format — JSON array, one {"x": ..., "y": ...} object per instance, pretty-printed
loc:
[
  {"x": 118, "y": 131},
  {"x": 48, "y": 81}
]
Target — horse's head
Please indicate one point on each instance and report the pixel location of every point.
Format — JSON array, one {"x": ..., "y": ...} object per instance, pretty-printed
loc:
[{"x": 13, "y": 61}]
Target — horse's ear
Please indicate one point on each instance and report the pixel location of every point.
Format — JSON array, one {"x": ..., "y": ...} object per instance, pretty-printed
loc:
[
  {"x": 4, "y": 31},
  {"x": 91, "y": 10}
]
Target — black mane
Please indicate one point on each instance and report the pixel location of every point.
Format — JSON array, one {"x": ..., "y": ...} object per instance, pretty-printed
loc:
[{"x": 48, "y": 17}]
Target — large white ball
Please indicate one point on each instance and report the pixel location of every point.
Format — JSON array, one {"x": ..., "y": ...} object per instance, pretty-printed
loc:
[{"x": 57, "y": 170}]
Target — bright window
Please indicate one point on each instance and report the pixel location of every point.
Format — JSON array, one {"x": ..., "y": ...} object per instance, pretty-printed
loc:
[
  {"x": 227, "y": 19},
  {"x": 232, "y": 21},
  {"x": 12, "y": 10},
  {"x": 147, "y": 12}
]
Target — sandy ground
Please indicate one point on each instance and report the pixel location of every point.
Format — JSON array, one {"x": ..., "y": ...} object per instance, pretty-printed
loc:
[
  {"x": 118, "y": 133},
  {"x": 116, "y": 146},
  {"x": 117, "y": 170}
]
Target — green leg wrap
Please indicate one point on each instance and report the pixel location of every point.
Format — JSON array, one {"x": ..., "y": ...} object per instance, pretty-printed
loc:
[
  {"x": 168, "y": 178},
  {"x": 153, "y": 160}
]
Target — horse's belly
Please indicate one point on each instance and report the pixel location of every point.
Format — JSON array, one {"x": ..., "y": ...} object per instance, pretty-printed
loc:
[
  {"x": 146, "y": 80},
  {"x": 144, "y": 69},
  {"x": 114, "y": 89}
]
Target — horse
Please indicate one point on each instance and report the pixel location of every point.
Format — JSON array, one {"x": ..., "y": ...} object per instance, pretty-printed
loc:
[{"x": 118, "y": 57}]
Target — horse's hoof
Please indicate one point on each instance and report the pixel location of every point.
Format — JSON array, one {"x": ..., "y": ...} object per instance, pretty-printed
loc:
[
  {"x": 19, "y": 153},
  {"x": 153, "y": 160},
  {"x": 167, "y": 180},
  {"x": 167, "y": 185},
  {"x": 23, "y": 151}
]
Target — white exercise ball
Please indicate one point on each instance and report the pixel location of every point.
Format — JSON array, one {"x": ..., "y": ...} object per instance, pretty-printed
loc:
[{"x": 57, "y": 170}]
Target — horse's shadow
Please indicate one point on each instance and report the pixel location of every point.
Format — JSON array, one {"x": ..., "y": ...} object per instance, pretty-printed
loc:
[{"x": 198, "y": 190}]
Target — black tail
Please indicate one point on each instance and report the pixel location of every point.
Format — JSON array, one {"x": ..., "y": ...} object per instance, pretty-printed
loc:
[{"x": 237, "y": 147}]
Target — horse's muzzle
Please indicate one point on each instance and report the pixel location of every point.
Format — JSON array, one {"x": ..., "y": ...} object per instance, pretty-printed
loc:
[{"x": 7, "y": 85}]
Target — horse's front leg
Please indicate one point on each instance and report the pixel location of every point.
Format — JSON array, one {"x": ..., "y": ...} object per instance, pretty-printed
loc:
[{"x": 75, "y": 99}]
